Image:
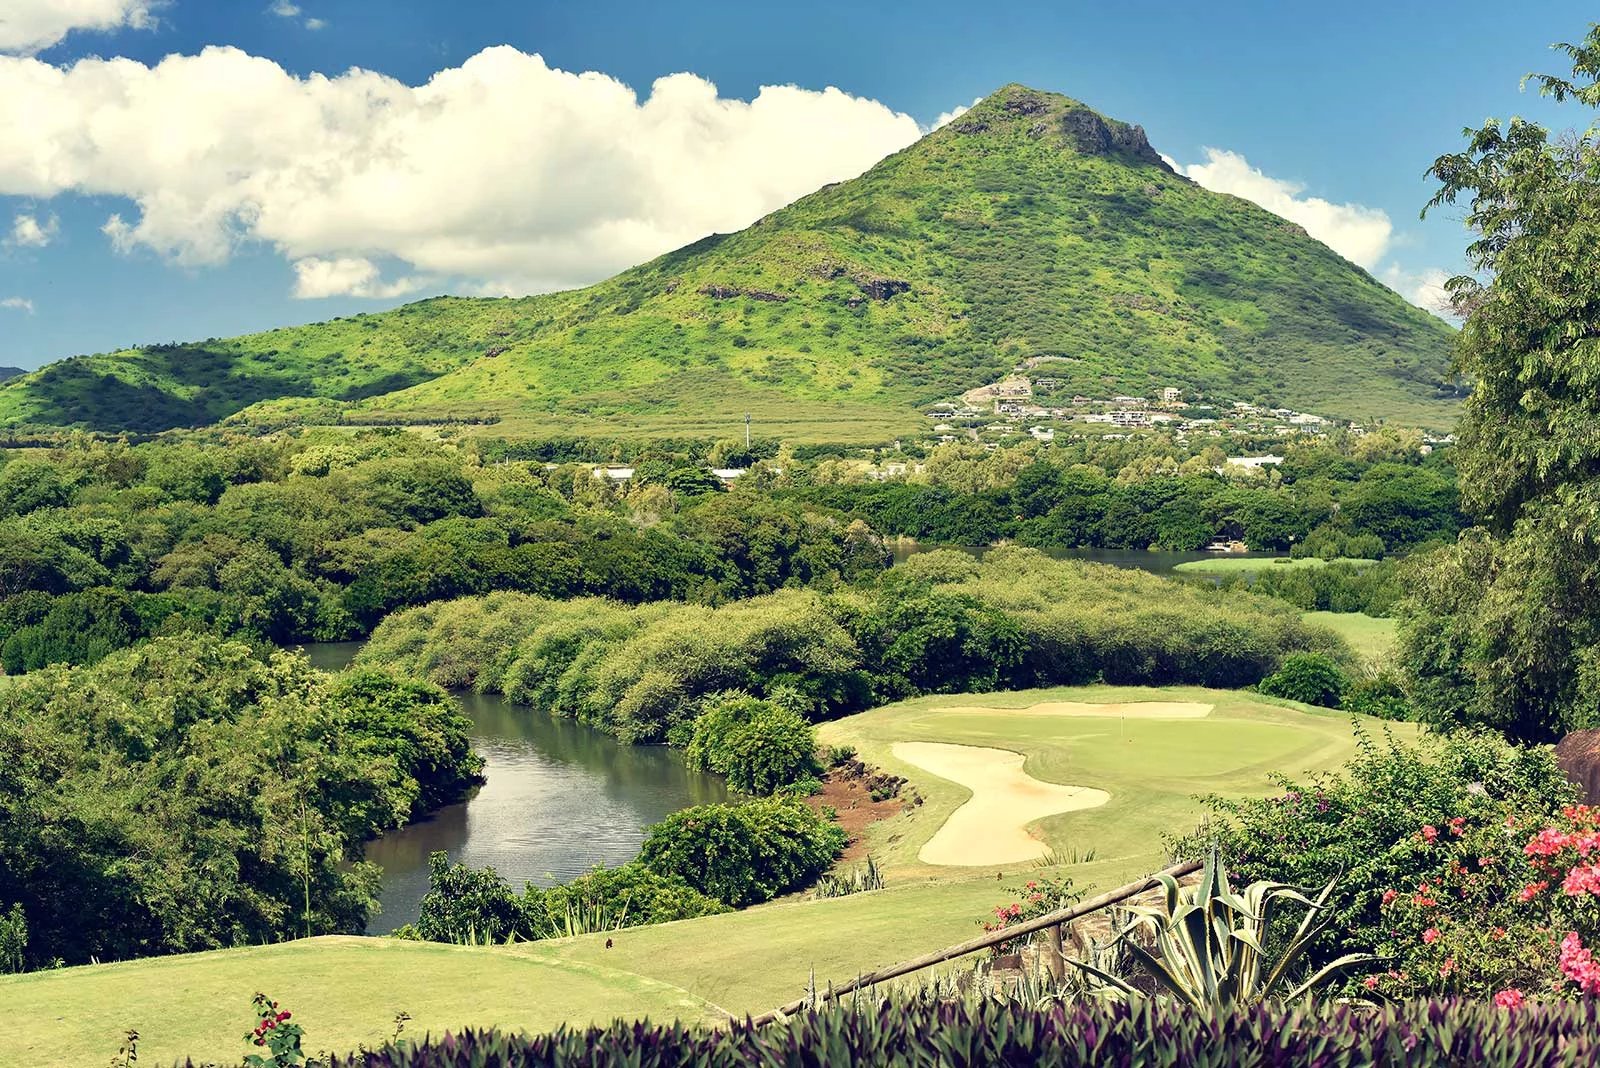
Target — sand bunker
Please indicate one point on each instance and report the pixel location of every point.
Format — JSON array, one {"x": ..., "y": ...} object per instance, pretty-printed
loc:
[
  {"x": 1129, "y": 710},
  {"x": 992, "y": 827}
]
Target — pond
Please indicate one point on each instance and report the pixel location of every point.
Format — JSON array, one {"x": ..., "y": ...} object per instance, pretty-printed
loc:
[
  {"x": 1155, "y": 562},
  {"x": 560, "y": 798}
]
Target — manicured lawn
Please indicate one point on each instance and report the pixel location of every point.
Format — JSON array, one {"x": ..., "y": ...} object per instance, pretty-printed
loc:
[
  {"x": 347, "y": 990},
  {"x": 1251, "y": 564},
  {"x": 1153, "y": 768},
  {"x": 1370, "y": 636}
]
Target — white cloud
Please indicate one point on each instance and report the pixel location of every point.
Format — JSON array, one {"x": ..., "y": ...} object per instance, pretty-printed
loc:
[
  {"x": 21, "y": 304},
  {"x": 347, "y": 276},
  {"x": 1359, "y": 234},
  {"x": 26, "y": 26},
  {"x": 947, "y": 117},
  {"x": 501, "y": 169},
  {"x": 284, "y": 10},
  {"x": 1423, "y": 288},
  {"x": 316, "y": 24},
  {"x": 28, "y": 232}
]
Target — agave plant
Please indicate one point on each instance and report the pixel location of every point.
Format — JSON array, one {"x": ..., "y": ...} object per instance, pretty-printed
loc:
[{"x": 1212, "y": 948}]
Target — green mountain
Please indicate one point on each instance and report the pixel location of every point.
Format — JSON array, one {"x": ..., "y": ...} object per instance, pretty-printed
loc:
[{"x": 1032, "y": 230}]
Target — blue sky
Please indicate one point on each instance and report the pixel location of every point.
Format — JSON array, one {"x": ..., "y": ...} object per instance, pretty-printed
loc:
[{"x": 147, "y": 201}]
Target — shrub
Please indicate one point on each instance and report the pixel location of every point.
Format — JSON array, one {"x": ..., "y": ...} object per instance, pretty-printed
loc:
[
  {"x": 471, "y": 906},
  {"x": 1365, "y": 826},
  {"x": 1032, "y": 899},
  {"x": 1311, "y": 678},
  {"x": 744, "y": 853},
  {"x": 1378, "y": 694},
  {"x": 1509, "y": 911},
  {"x": 758, "y": 745},
  {"x": 870, "y": 1031},
  {"x": 631, "y": 895}
]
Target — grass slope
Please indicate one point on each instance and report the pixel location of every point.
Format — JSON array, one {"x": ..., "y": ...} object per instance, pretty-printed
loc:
[
  {"x": 1030, "y": 228},
  {"x": 1373, "y": 637},
  {"x": 347, "y": 990}
]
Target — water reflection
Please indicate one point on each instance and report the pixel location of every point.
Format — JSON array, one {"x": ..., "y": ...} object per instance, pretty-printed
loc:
[{"x": 560, "y": 798}]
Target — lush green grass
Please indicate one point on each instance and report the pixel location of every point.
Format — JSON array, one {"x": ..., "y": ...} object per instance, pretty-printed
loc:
[
  {"x": 1006, "y": 234},
  {"x": 1231, "y": 565},
  {"x": 346, "y": 990},
  {"x": 1370, "y": 636}
]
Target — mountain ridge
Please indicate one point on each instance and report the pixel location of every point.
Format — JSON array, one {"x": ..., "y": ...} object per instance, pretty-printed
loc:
[{"x": 1029, "y": 226}]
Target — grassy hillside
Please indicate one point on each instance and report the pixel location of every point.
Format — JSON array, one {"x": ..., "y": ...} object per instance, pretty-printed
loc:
[
  {"x": 347, "y": 990},
  {"x": 1030, "y": 229}
]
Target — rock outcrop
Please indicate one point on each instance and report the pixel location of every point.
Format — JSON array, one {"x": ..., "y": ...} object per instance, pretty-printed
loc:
[
  {"x": 1095, "y": 136},
  {"x": 1579, "y": 756}
]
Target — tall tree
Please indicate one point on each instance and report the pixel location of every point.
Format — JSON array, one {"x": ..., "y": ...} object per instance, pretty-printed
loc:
[{"x": 1502, "y": 629}]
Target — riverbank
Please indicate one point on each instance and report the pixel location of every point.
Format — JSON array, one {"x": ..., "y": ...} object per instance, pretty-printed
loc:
[{"x": 347, "y": 990}]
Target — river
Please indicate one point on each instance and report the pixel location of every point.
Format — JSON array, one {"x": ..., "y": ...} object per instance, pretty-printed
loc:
[{"x": 560, "y": 798}]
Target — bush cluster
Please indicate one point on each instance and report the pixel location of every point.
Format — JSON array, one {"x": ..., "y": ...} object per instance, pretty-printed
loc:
[
  {"x": 317, "y": 536},
  {"x": 758, "y": 746},
  {"x": 1086, "y": 1034},
  {"x": 744, "y": 853},
  {"x": 1375, "y": 828},
  {"x": 476, "y": 906},
  {"x": 188, "y": 795},
  {"x": 696, "y": 862},
  {"x": 940, "y": 623}
]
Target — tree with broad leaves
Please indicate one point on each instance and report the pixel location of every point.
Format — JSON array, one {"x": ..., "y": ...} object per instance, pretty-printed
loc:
[{"x": 1503, "y": 629}]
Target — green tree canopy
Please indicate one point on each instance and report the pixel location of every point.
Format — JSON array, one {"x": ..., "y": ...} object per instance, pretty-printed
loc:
[{"x": 1504, "y": 629}]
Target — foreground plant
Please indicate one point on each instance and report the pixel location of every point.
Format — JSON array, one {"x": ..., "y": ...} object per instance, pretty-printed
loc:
[
  {"x": 276, "y": 1035},
  {"x": 1212, "y": 948},
  {"x": 1084, "y": 1034}
]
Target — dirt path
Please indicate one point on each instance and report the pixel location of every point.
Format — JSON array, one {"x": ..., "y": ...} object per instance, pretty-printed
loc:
[{"x": 992, "y": 827}]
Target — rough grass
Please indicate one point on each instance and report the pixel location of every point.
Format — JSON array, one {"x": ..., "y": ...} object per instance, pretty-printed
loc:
[
  {"x": 1371, "y": 637},
  {"x": 347, "y": 990},
  {"x": 1013, "y": 243}
]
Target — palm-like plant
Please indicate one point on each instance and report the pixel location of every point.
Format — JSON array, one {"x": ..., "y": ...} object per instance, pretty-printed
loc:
[{"x": 1209, "y": 946}]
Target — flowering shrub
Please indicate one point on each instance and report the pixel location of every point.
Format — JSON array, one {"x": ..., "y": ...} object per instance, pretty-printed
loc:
[
  {"x": 274, "y": 1033},
  {"x": 1507, "y": 912},
  {"x": 1036, "y": 897},
  {"x": 1397, "y": 826}
]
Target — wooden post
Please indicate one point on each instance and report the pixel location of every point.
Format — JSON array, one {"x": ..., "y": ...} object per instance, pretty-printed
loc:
[
  {"x": 993, "y": 938},
  {"x": 1055, "y": 958}
]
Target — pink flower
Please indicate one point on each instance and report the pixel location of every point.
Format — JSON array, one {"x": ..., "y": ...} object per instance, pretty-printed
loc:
[
  {"x": 1583, "y": 879},
  {"x": 1370, "y": 982},
  {"x": 1430, "y": 834},
  {"x": 1457, "y": 824},
  {"x": 1389, "y": 896},
  {"x": 1578, "y": 964},
  {"x": 1510, "y": 998},
  {"x": 1446, "y": 968},
  {"x": 1431, "y": 935},
  {"x": 1532, "y": 890}
]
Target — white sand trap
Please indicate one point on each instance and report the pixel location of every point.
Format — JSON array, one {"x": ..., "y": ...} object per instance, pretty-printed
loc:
[
  {"x": 1128, "y": 710},
  {"x": 992, "y": 827}
]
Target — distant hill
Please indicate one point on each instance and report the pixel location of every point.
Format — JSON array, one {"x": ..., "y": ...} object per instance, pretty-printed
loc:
[{"x": 1031, "y": 229}]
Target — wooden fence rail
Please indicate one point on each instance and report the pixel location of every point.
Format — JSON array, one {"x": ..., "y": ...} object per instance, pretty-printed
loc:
[{"x": 993, "y": 938}]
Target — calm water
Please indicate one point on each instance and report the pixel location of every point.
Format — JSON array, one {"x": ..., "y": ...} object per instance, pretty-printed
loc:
[
  {"x": 1157, "y": 563},
  {"x": 560, "y": 798}
]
